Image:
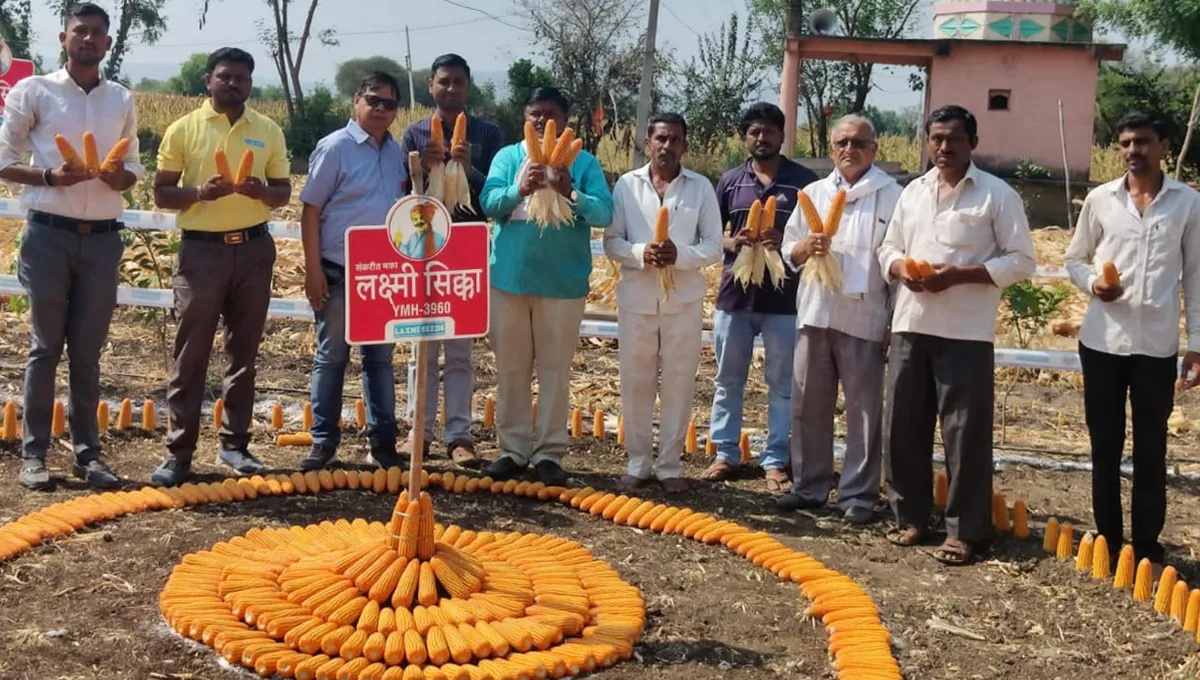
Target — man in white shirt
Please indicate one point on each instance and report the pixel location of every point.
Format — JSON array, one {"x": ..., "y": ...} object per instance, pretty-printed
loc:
[
  {"x": 1148, "y": 226},
  {"x": 71, "y": 247},
  {"x": 971, "y": 227},
  {"x": 841, "y": 334},
  {"x": 658, "y": 328}
]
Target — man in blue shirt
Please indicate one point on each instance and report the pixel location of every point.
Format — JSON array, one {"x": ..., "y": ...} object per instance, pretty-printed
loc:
[
  {"x": 746, "y": 312},
  {"x": 449, "y": 85},
  {"x": 354, "y": 177},
  {"x": 539, "y": 290}
]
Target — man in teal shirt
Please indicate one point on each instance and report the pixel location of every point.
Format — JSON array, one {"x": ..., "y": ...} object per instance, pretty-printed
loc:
[{"x": 539, "y": 290}]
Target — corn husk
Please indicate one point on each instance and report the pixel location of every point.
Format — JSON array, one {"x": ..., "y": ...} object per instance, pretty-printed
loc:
[
  {"x": 756, "y": 263},
  {"x": 825, "y": 270},
  {"x": 547, "y": 207},
  {"x": 666, "y": 275}
]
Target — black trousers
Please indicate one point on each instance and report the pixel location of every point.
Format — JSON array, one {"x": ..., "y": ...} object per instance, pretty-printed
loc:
[
  {"x": 1150, "y": 384},
  {"x": 931, "y": 379}
]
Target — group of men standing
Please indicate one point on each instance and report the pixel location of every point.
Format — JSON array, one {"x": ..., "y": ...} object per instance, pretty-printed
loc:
[{"x": 928, "y": 335}]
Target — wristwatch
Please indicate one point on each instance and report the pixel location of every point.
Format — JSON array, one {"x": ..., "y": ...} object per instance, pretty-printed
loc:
[{"x": 48, "y": 177}]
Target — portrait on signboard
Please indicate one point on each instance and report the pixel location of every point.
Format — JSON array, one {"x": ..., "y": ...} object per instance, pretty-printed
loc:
[{"x": 418, "y": 227}]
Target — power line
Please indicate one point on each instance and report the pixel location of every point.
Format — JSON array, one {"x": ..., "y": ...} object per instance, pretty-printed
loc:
[
  {"x": 489, "y": 15},
  {"x": 677, "y": 18}
]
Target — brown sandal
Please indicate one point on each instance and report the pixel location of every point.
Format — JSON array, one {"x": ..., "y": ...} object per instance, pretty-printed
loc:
[
  {"x": 463, "y": 453},
  {"x": 954, "y": 552},
  {"x": 778, "y": 481},
  {"x": 906, "y": 537},
  {"x": 719, "y": 471}
]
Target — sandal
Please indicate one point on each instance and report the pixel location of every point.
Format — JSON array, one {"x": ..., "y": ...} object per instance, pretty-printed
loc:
[
  {"x": 778, "y": 481},
  {"x": 906, "y": 537},
  {"x": 955, "y": 553},
  {"x": 719, "y": 471},
  {"x": 463, "y": 454}
]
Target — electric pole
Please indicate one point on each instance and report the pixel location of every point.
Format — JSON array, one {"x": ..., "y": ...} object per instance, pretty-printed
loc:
[
  {"x": 412, "y": 97},
  {"x": 647, "y": 86}
]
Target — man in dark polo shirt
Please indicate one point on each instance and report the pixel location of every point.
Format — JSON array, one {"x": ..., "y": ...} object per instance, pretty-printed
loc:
[{"x": 744, "y": 313}]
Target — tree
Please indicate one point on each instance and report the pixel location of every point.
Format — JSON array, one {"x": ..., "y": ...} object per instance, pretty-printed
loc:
[
  {"x": 288, "y": 62},
  {"x": 717, "y": 83},
  {"x": 523, "y": 78},
  {"x": 144, "y": 15},
  {"x": 190, "y": 79},
  {"x": 152, "y": 85},
  {"x": 1145, "y": 85},
  {"x": 594, "y": 51},
  {"x": 350, "y": 73},
  {"x": 15, "y": 18},
  {"x": 831, "y": 86},
  {"x": 902, "y": 123}
]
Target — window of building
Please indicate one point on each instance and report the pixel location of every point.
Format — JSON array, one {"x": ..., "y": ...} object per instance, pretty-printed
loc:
[{"x": 998, "y": 100}]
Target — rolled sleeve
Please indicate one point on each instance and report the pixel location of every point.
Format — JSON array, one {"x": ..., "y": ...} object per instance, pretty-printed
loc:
[
  {"x": 1018, "y": 260},
  {"x": 18, "y": 124},
  {"x": 594, "y": 206}
]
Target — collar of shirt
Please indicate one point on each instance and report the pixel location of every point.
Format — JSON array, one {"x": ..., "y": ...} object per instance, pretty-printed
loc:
[
  {"x": 1120, "y": 189},
  {"x": 360, "y": 136}
]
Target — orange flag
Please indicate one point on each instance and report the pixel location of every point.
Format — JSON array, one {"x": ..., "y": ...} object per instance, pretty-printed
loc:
[{"x": 598, "y": 119}]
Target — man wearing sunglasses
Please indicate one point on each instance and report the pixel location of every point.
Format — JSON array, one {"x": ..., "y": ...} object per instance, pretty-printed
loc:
[
  {"x": 354, "y": 177},
  {"x": 450, "y": 85}
]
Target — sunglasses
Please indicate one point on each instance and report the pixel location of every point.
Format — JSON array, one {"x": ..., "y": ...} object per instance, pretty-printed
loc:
[
  {"x": 858, "y": 144},
  {"x": 376, "y": 102}
]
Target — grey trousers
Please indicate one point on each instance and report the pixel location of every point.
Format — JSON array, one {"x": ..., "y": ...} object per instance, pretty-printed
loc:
[
  {"x": 458, "y": 380},
  {"x": 214, "y": 281},
  {"x": 931, "y": 377},
  {"x": 824, "y": 357},
  {"x": 72, "y": 284}
]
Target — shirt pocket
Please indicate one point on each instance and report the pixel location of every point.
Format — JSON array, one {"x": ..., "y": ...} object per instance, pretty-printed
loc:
[
  {"x": 1164, "y": 243},
  {"x": 683, "y": 225},
  {"x": 963, "y": 231}
]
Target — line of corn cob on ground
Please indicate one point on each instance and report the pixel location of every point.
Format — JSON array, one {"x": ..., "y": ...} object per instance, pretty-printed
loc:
[{"x": 319, "y": 602}]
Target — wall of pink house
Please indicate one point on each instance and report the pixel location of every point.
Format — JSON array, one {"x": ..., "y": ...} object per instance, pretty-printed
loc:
[{"x": 1036, "y": 78}]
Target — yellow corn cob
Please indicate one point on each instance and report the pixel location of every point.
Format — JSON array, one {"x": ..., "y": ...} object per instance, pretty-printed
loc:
[
  {"x": 409, "y": 532},
  {"x": 331, "y": 643},
  {"x": 368, "y": 619},
  {"x": 532, "y": 146},
  {"x": 1179, "y": 602},
  {"x": 754, "y": 220},
  {"x": 1000, "y": 512},
  {"x": 1100, "y": 558},
  {"x": 245, "y": 167},
  {"x": 373, "y": 573},
  {"x": 426, "y": 586},
  {"x": 1191, "y": 619},
  {"x": 435, "y": 647},
  {"x": 414, "y": 648},
  {"x": 436, "y": 134},
  {"x": 1084, "y": 559},
  {"x": 222, "y": 163},
  {"x": 425, "y": 537},
  {"x": 374, "y": 647},
  {"x": 549, "y": 138},
  {"x": 116, "y": 155},
  {"x": 572, "y": 153},
  {"x": 456, "y": 644},
  {"x": 381, "y": 591},
  {"x": 834, "y": 219},
  {"x": 69, "y": 155},
  {"x": 811, "y": 217},
  {"x": 91, "y": 154},
  {"x": 1166, "y": 586},
  {"x": 1020, "y": 520},
  {"x": 1110, "y": 275},
  {"x": 1143, "y": 583},
  {"x": 406, "y": 588},
  {"x": 460, "y": 131},
  {"x": 562, "y": 149},
  {"x": 1050, "y": 538},
  {"x": 393, "y": 649}
]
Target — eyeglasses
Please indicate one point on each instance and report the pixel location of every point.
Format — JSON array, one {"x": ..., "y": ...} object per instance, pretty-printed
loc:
[
  {"x": 376, "y": 102},
  {"x": 857, "y": 144}
]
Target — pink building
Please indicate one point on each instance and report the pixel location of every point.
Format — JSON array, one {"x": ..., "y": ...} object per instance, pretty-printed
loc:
[{"x": 1010, "y": 62}]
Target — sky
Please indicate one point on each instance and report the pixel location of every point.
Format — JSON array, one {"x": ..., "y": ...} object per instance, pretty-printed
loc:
[{"x": 376, "y": 27}]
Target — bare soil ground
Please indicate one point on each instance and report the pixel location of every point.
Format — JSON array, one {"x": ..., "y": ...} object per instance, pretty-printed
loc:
[{"x": 86, "y": 607}]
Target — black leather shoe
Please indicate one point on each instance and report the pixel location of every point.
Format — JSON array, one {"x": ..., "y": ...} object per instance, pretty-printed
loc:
[
  {"x": 550, "y": 473},
  {"x": 170, "y": 473},
  {"x": 318, "y": 458},
  {"x": 241, "y": 461},
  {"x": 503, "y": 469},
  {"x": 97, "y": 474},
  {"x": 790, "y": 502}
]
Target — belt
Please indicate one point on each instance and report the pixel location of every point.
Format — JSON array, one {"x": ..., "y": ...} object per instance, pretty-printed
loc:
[
  {"x": 230, "y": 238},
  {"x": 73, "y": 224}
]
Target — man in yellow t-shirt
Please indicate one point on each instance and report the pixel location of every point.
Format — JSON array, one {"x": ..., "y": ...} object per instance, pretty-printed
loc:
[{"x": 226, "y": 256}]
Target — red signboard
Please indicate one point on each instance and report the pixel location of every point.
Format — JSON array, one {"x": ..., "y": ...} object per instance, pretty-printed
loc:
[
  {"x": 11, "y": 72},
  {"x": 417, "y": 278}
]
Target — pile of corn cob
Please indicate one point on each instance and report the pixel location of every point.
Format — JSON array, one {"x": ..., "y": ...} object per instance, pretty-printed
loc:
[
  {"x": 756, "y": 262},
  {"x": 824, "y": 269},
  {"x": 547, "y": 207}
]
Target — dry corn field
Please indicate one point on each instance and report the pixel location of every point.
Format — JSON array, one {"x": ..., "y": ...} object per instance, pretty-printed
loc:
[{"x": 88, "y": 605}]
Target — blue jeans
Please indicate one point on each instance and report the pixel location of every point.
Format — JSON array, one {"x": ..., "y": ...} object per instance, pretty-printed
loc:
[
  {"x": 735, "y": 333},
  {"x": 329, "y": 371}
]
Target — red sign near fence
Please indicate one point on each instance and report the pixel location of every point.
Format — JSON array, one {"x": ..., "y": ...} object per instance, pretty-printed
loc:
[
  {"x": 12, "y": 71},
  {"x": 417, "y": 278}
]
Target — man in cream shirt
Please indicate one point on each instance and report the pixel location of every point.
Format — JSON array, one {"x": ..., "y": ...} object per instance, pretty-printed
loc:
[
  {"x": 1148, "y": 226},
  {"x": 660, "y": 328},
  {"x": 971, "y": 227},
  {"x": 840, "y": 334}
]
